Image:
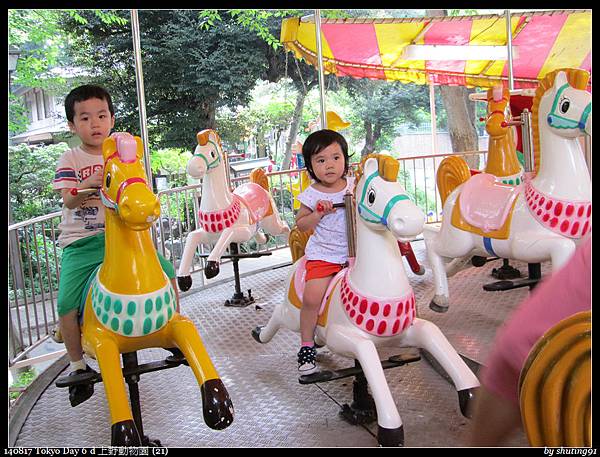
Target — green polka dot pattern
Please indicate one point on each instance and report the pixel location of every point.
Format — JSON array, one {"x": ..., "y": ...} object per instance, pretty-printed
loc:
[{"x": 133, "y": 315}]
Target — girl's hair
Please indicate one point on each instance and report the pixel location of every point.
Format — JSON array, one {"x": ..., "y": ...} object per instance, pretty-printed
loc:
[
  {"x": 83, "y": 93},
  {"x": 319, "y": 140}
]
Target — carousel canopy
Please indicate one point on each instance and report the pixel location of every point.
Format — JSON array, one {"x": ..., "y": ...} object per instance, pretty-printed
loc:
[{"x": 454, "y": 50}]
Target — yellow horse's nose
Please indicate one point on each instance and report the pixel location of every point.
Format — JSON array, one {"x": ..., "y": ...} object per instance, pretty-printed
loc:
[{"x": 139, "y": 207}]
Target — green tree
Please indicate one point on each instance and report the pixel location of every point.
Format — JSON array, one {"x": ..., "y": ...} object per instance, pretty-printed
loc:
[
  {"x": 43, "y": 45},
  {"x": 379, "y": 107},
  {"x": 30, "y": 175}
]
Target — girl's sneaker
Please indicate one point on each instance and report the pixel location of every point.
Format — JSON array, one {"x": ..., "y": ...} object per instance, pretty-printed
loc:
[{"x": 307, "y": 360}]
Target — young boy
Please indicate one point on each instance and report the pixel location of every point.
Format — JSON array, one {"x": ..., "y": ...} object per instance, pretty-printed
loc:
[{"x": 91, "y": 117}]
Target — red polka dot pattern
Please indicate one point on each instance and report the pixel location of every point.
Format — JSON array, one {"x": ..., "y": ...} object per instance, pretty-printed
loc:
[
  {"x": 378, "y": 317},
  {"x": 568, "y": 218},
  {"x": 217, "y": 221}
]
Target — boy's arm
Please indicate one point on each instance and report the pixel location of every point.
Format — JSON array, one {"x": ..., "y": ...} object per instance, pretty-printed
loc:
[{"x": 73, "y": 201}]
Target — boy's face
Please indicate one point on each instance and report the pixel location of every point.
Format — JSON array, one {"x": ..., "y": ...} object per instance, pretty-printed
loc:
[{"x": 92, "y": 122}]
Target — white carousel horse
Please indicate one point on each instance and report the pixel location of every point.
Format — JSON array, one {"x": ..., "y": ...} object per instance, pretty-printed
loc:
[
  {"x": 543, "y": 218},
  {"x": 371, "y": 303},
  {"x": 226, "y": 217}
]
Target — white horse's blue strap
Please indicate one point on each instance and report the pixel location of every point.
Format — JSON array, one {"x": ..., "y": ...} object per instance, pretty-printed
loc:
[
  {"x": 560, "y": 122},
  {"x": 214, "y": 163},
  {"x": 363, "y": 211}
]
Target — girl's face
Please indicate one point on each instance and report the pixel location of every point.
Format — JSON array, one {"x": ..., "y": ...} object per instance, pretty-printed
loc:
[{"x": 328, "y": 164}]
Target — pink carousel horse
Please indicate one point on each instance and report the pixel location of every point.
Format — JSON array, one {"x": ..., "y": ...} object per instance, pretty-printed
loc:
[
  {"x": 543, "y": 218},
  {"x": 226, "y": 217},
  {"x": 371, "y": 302}
]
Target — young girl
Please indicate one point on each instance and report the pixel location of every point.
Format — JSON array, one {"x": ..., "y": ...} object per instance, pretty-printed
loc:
[{"x": 325, "y": 154}]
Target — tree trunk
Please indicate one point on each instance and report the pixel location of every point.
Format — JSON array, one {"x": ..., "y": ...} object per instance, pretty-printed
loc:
[
  {"x": 206, "y": 114},
  {"x": 297, "y": 116},
  {"x": 371, "y": 137}
]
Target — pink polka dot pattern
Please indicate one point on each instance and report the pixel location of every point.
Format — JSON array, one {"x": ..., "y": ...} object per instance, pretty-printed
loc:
[
  {"x": 567, "y": 218},
  {"x": 379, "y": 317},
  {"x": 217, "y": 221}
]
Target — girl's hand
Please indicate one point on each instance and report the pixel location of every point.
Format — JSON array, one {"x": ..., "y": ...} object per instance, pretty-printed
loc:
[{"x": 325, "y": 207}]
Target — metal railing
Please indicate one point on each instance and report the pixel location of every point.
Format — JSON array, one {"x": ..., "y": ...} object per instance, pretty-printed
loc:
[{"x": 34, "y": 261}]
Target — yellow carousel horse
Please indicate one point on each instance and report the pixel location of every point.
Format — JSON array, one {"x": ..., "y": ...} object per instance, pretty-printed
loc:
[{"x": 130, "y": 304}]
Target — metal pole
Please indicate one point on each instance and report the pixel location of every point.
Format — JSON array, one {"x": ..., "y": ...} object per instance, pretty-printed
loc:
[
  {"x": 511, "y": 83},
  {"x": 139, "y": 79},
  {"x": 320, "y": 67},
  {"x": 433, "y": 117},
  {"x": 527, "y": 140}
]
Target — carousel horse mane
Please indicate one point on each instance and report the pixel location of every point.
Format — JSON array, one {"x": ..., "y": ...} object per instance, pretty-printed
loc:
[
  {"x": 577, "y": 78},
  {"x": 203, "y": 139},
  {"x": 555, "y": 385},
  {"x": 388, "y": 167}
]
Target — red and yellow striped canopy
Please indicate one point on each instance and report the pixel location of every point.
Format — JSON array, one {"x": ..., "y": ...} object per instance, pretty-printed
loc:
[{"x": 373, "y": 48}]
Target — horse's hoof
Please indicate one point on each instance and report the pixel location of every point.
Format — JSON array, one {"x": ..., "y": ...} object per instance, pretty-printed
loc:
[
  {"x": 216, "y": 404},
  {"x": 390, "y": 437},
  {"x": 256, "y": 334},
  {"x": 438, "y": 305},
  {"x": 421, "y": 271},
  {"x": 184, "y": 282},
  {"x": 465, "y": 398},
  {"x": 478, "y": 261},
  {"x": 125, "y": 433},
  {"x": 211, "y": 269}
]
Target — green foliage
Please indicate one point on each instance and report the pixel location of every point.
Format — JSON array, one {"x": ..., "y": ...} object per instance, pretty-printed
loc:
[
  {"x": 23, "y": 380},
  {"x": 30, "y": 173},
  {"x": 423, "y": 198},
  {"x": 39, "y": 262},
  {"x": 169, "y": 160}
]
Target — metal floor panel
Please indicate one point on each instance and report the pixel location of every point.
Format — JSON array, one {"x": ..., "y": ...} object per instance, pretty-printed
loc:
[{"x": 271, "y": 408}]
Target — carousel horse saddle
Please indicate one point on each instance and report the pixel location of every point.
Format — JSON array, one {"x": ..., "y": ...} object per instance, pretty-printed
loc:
[
  {"x": 255, "y": 199},
  {"x": 296, "y": 291},
  {"x": 486, "y": 203}
]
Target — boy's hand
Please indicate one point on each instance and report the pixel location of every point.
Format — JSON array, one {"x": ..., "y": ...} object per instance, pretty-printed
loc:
[
  {"x": 95, "y": 180},
  {"x": 325, "y": 207}
]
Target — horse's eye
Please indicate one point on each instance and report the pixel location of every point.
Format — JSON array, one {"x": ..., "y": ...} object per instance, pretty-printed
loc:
[
  {"x": 564, "y": 106},
  {"x": 371, "y": 196},
  {"x": 212, "y": 154},
  {"x": 108, "y": 180}
]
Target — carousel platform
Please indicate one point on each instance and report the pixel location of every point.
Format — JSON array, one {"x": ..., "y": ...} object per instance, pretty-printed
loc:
[{"x": 272, "y": 409}]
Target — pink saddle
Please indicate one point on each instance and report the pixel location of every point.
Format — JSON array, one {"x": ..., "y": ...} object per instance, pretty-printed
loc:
[
  {"x": 485, "y": 203},
  {"x": 300, "y": 281},
  {"x": 255, "y": 199}
]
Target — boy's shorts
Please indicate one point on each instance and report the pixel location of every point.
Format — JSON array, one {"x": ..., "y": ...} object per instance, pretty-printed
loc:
[
  {"x": 316, "y": 269},
  {"x": 79, "y": 260}
]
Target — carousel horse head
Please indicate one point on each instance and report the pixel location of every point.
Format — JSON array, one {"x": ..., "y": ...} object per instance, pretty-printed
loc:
[
  {"x": 125, "y": 188},
  {"x": 498, "y": 111},
  {"x": 382, "y": 202},
  {"x": 568, "y": 104},
  {"x": 207, "y": 155}
]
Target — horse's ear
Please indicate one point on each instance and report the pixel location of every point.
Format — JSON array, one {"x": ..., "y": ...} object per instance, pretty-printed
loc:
[
  {"x": 560, "y": 79},
  {"x": 139, "y": 152},
  {"x": 371, "y": 166},
  {"x": 109, "y": 147}
]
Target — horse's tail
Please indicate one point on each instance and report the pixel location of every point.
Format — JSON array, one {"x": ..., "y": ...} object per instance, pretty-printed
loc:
[
  {"x": 258, "y": 176},
  {"x": 297, "y": 242},
  {"x": 452, "y": 172},
  {"x": 555, "y": 385}
]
